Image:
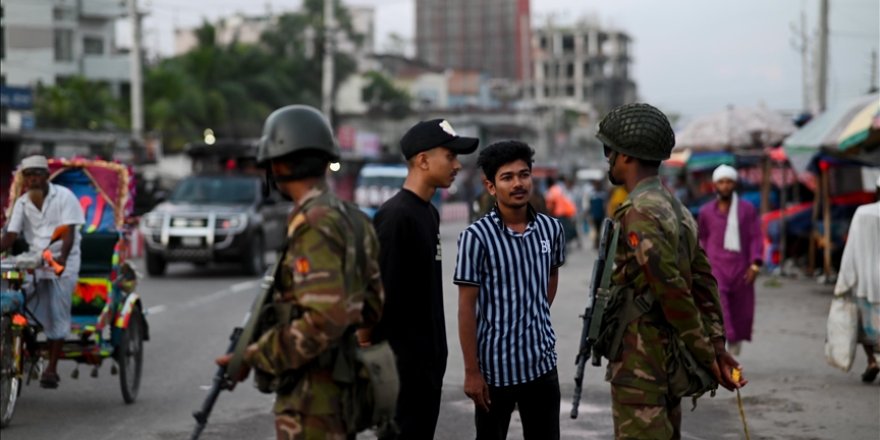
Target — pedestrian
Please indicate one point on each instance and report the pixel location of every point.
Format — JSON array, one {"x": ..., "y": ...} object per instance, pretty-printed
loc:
[
  {"x": 408, "y": 226},
  {"x": 664, "y": 300},
  {"x": 507, "y": 273},
  {"x": 860, "y": 274},
  {"x": 730, "y": 232},
  {"x": 36, "y": 215},
  {"x": 327, "y": 302},
  {"x": 560, "y": 206},
  {"x": 598, "y": 201}
]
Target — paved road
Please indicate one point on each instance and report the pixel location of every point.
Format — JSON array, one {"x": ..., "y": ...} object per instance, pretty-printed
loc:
[{"x": 793, "y": 394}]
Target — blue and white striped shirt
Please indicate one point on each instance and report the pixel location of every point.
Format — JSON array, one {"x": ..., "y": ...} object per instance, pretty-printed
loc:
[{"x": 515, "y": 341}]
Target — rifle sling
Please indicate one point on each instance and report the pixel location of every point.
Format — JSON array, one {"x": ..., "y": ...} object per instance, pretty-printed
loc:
[{"x": 603, "y": 292}]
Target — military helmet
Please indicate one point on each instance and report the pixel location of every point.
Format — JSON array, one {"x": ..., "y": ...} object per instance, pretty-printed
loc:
[
  {"x": 296, "y": 128},
  {"x": 637, "y": 130}
]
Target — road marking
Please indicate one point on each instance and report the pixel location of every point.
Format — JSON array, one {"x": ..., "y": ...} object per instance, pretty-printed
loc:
[
  {"x": 156, "y": 309},
  {"x": 242, "y": 286},
  {"x": 220, "y": 294}
]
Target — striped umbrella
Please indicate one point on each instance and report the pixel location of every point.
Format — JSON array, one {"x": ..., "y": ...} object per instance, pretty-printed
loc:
[
  {"x": 824, "y": 131},
  {"x": 865, "y": 125}
]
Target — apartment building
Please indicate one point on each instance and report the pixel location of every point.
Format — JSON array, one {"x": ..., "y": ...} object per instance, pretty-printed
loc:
[{"x": 581, "y": 65}]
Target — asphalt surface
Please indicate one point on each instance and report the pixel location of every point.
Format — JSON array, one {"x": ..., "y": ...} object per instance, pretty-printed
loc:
[{"x": 793, "y": 394}]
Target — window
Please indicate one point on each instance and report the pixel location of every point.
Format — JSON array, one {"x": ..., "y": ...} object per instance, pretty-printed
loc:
[
  {"x": 93, "y": 46},
  {"x": 63, "y": 45},
  {"x": 567, "y": 43},
  {"x": 569, "y": 70},
  {"x": 63, "y": 14}
]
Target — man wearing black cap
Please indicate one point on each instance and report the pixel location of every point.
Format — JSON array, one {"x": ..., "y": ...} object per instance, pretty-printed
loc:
[{"x": 408, "y": 226}]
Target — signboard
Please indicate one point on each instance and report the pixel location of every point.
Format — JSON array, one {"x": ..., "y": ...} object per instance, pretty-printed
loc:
[{"x": 16, "y": 98}]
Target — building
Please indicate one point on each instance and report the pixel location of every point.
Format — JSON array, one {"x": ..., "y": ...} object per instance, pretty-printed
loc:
[
  {"x": 490, "y": 36},
  {"x": 582, "y": 66},
  {"x": 46, "y": 41},
  {"x": 239, "y": 27}
]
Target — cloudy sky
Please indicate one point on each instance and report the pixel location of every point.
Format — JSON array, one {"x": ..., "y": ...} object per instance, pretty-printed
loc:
[{"x": 690, "y": 56}]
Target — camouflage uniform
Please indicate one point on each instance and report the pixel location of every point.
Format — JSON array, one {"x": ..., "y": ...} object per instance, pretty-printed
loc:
[
  {"x": 313, "y": 278},
  {"x": 686, "y": 301}
]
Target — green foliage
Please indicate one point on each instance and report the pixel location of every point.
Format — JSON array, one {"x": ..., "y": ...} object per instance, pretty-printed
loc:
[
  {"x": 78, "y": 103},
  {"x": 383, "y": 97},
  {"x": 232, "y": 88}
]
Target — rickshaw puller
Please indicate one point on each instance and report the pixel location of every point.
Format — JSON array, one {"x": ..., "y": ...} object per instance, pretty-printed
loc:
[{"x": 36, "y": 215}]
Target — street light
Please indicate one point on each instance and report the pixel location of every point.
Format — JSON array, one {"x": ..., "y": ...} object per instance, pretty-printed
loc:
[
  {"x": 209, "y": 136},
  {"x": 335, "y": 166}
]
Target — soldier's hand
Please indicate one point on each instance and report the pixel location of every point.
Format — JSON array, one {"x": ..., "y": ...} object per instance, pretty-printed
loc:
[
  {"x": 475, "y": 387},
  {"x": 242, "y": 372},
  {"x": 723, "y": 368}
]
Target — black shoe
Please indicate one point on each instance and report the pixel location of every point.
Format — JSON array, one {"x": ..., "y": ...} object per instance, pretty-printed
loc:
[
  {"x": 870, "y": 374},
  {"x": 49, "y": 380}
]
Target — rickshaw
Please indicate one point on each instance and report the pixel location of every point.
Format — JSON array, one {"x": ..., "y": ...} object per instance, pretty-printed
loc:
[{"x": 107, "y": 319}]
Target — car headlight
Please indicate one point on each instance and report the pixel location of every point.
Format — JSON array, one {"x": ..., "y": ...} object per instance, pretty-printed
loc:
[
  {"x": 232, "y": 222},
  {"x": 153, "y": 221}
]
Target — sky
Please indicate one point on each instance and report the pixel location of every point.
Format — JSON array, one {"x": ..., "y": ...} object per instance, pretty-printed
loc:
[{"x": 690, "y": 57}]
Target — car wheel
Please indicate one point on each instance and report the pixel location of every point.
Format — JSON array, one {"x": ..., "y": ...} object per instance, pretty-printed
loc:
[
  {"x": 254, "y": 260},
  {"x": 155, "y": 264}
]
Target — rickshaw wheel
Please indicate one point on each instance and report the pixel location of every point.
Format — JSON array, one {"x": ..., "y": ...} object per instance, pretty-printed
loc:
[
  {"x": 10, "y": 381},
  {"x": 130, "y": 356}
]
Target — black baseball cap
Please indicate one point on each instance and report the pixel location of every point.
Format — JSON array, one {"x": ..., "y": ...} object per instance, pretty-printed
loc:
[{"x": 432, "y": 134}]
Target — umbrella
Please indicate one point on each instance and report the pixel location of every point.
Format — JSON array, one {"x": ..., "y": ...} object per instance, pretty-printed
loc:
[
  {"x": 825, "y": 131},
  {"x": 861, "y": 127},
  {"x": 735, "y": 127}
]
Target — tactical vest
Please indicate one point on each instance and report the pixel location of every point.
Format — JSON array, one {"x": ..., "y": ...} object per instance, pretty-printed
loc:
[{"x": 620, "y": 306}]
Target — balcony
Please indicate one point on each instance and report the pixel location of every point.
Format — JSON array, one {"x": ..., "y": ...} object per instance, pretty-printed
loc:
[
  {"x": 107, "y": 68},
  {"x": 102, "y": 9}
]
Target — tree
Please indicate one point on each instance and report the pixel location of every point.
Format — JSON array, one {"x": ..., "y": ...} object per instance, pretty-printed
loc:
[
  {"x": 232, "y": 88},
  {"x": 78, "y": 103},
  {"x": 382, "y": 96}
]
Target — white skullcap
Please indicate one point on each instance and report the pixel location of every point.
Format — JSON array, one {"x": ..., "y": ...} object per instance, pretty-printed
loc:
[
  {"x": 35, "y": 162},
  {"x": 724, "y": 172}
]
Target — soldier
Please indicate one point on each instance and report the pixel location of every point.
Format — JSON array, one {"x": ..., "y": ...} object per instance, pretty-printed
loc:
[
  {"x": 658, "y": 266},
  {"x": 298, "y": 146}
]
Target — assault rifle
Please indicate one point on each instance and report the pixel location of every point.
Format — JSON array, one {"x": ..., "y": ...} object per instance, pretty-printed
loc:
[
  {"x": 599, "y": 279},
  {"x": 241, "y": 338}
]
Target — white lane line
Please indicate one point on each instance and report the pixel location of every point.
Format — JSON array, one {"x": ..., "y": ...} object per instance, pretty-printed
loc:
[
  {"x": 220, "y": 294},
  {"x": 242, "y": 286},
  {"x": 156, "y": 309}
]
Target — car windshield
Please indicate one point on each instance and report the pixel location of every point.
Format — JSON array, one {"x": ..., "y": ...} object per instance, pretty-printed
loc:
[{"x": 220, "y": 190}]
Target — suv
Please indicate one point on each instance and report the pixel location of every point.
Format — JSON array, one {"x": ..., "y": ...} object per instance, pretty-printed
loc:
[{"x": 215, "y": 217}]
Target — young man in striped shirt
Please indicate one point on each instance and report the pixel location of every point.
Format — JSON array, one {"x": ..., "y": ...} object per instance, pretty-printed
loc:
[{"x": 507, "y": 273}]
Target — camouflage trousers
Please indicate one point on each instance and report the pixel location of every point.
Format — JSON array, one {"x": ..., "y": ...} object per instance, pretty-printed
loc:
[
  {"x": 296, "y": 426},
  {"x": 640, "y": 415}
]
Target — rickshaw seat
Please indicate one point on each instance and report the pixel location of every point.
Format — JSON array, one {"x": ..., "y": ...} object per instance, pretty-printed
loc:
[{"x": 97, "y": 251}]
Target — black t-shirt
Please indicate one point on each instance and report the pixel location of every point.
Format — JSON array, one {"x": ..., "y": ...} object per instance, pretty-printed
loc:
[{"x": 409, "y": 257}]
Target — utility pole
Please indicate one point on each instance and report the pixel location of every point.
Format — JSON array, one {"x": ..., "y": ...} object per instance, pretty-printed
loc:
[
  {"x": 800, "y": 42},
  {"x": 822, "y": 58},
  {"x": 872, "y": 87},
  {"x": 327, "y": 71},
  {"x": 136, "y": 72}
]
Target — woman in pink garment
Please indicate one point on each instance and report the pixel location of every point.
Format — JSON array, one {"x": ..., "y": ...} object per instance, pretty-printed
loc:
[{"x": 730, "y": 232}]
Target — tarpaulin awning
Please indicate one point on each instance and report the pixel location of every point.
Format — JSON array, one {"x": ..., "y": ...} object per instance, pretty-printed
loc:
[{"x": 824, "y": 132}]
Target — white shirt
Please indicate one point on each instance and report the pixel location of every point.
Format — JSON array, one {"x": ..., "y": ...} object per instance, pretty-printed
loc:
[
  {"x": 36, "y": 226},
  {"x": 860, "y": 265}
]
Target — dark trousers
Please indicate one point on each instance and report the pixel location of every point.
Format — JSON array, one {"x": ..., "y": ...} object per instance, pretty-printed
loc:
[
  {"x": 418, "y": 403},
  {"x": 538, "y": 404}
]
